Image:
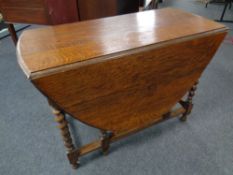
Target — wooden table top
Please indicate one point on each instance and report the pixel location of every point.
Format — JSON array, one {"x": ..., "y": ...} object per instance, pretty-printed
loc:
[{"x": 48, "y": 49}]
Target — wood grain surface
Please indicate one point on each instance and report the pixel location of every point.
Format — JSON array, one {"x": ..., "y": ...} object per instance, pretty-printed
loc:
[
  {"x": 47, "y": 12},
  {"x": 90, "y": 9},
  {"x": 53, "y": 47},
  {"x": 93, "y": 9},
  {"x": 24, "y": 11},
  {"x": 123, "y": 78}
]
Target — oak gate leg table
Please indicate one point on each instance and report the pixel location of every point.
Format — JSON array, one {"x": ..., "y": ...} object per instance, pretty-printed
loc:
[{"x": 119, "y": 74}]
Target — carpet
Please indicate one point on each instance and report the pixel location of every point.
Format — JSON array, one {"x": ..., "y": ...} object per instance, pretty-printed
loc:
[{"x": 30, "y": 143}]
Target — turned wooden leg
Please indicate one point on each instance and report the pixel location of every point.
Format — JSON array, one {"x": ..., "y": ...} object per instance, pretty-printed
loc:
[
  {"x": 65, "y": 133},
  {"x": 105, "y": 141},
  {"x": 188, "y": 104}
]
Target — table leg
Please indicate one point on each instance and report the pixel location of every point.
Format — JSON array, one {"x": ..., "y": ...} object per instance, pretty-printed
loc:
[
  {"x": 105, "y": 141},
  {"x": 65, "y": 133},
  {"x": 12, "y": 32},
  {"x": 188, "y": 104}
]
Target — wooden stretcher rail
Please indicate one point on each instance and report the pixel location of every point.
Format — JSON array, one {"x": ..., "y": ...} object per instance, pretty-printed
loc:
[{"x": 97, "y": 144}]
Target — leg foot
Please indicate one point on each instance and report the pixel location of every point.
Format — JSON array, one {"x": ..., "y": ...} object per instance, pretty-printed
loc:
[
  {"x": 75, "y": 166},
  {"x": 183, "y": 118}
]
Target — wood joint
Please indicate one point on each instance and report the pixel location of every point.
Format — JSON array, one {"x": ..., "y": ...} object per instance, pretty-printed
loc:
[{"x": 73, "y": 158}]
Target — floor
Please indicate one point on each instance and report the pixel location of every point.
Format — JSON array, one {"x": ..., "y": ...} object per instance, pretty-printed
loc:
[{"x": 30, "y": 143}]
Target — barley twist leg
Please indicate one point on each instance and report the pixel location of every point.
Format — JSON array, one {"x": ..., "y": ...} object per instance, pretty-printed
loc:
[
  {"x": 65, "y": 133},
  {"x": 188, "y": 104}
]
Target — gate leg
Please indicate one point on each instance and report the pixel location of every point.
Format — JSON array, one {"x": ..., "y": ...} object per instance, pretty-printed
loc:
[
  {"x": 188, "y": 104},
  {"x": 105, "y": 141}
]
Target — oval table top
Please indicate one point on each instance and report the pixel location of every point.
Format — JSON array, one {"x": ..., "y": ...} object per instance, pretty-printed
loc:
[{"x": 47, "y": 48}]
